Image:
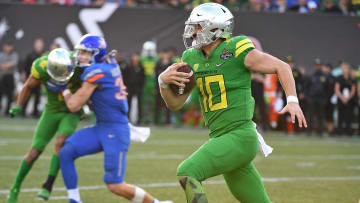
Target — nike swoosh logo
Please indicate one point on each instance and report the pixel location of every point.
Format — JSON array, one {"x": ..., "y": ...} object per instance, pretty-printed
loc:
[{"x": 220, "y": 64}]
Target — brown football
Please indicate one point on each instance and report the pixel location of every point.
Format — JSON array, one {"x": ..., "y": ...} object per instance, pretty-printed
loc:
[{"x": 188, "y": 85}]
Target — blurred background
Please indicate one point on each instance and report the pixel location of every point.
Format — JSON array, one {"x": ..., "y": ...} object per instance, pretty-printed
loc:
[{"x": 319, "y": 39}]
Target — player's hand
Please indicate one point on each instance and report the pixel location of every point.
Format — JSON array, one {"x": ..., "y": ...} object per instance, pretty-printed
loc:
[
  {"x": 55, "y": 87},
  {"x": 172, "y": 76},
  {"x": 295, "y": 111},
  {"x": 110, "y": 58},
  {"x": 15, "y": 111}
]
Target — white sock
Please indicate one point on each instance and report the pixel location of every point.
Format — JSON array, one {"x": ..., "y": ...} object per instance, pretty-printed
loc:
[
  {"x": 74, "y": 194},
  {"x": 139, "y": 195},
  {"x": 156, "y": 201}
]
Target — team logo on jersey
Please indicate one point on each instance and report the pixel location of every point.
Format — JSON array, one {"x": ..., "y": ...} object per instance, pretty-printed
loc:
[
  {"x": 226, "y": 54},
  {"x": 220, "y": 64}
]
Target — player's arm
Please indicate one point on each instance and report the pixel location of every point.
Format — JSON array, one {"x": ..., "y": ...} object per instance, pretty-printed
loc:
[
  {"x": 265, "y": 63},
  {"x": 74, "y": 102},
  {"x": 30, "y": 83},
  {"x": 172, "y": 76}
]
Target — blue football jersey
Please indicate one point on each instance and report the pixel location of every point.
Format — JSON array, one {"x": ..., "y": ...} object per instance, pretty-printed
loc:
[{"x": 109, "y": 100}]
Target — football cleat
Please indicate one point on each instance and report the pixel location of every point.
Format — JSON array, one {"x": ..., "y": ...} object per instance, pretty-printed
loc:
[
  {"x": 44, "y": 194},
  {"x": 11, "y": 199}
]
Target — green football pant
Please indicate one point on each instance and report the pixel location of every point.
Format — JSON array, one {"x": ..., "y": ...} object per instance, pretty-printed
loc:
[
  {"x": 148, "y": 100},
  {"x": 231, "y": 155},
  {"x": 51, "y": 124},
  {"x": 48, "y": 125}
]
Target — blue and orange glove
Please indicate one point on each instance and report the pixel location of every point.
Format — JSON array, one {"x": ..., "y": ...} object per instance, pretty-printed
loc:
[
  {"x": 15, "y": 111},
  {"x": 55, "y": 87}
]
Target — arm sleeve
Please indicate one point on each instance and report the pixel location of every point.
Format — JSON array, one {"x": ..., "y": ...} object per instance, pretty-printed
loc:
[
  {"x": 38, "y": 68},
  {"x": 93, "y": 74},
  {"x": 243, "y": 46}
]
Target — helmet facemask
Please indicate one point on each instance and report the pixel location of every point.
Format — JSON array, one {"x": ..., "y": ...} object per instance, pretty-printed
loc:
[
  {"x": 196, "y": 39},
  {"x": 84, "y": 60}
]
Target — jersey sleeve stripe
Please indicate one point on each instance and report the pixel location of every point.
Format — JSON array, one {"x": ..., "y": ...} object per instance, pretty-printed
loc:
[
  {"x": 242, "y": 42},
  {"x": 243, "y": 48},
  {"x": 35, "y": 73},
  {"x": 95, "y": 77}
]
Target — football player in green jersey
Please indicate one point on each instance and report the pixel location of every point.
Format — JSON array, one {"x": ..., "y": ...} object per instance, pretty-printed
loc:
[
  {"x": 52, "y": 70},
  {"x": 148, "y": 60},
  {"x": 222, "y": 66}
]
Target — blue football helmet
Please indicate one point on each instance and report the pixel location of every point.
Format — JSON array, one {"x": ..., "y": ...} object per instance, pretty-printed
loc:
[{"x": 94, "y": 44}]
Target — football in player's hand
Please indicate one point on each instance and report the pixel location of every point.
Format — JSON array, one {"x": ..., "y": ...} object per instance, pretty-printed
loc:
[{"x": 188, "y": 85}]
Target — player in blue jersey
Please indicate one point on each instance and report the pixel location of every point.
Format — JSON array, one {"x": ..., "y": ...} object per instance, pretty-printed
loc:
[{"x": 103, "y": 87}]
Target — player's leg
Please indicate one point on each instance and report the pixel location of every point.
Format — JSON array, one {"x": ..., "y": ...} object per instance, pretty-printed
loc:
[
  {"x": 246, "y": 185},
  {"x": 115, "y": 142},
  {"x": 244, "y": 181},
  {"x": 217, "y": 156},
  {"x": 133, "y": 193},
  {"x": 45, "y": 130},
  {"x": 66, "y": 127},
  {"x": 81, "y": 143},
  {"x": 198, "y": 167}
]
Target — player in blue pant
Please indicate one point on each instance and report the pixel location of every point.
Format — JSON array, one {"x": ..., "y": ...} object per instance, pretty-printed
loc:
[{"x": 103, "y": 86}]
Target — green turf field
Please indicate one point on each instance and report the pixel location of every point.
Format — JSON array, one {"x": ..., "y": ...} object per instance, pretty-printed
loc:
[{"x": 301, "y": 169}]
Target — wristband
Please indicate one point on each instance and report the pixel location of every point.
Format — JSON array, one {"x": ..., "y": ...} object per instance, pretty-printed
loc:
[
  {"x": 66, "y": 92},
  {"x": 162, "y": 84},
  {"x": 292, "y": 99}
]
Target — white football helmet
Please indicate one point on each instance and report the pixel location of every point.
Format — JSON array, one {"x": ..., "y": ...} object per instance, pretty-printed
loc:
[
  {"x": 216, "y": 22},
  {"x": 149, "y": 49}
]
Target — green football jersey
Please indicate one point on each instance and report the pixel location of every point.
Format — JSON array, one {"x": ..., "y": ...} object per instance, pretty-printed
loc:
[
  {"x": 149, "y": 64},
  {"x": 55, "y": 101},
  {"x": 224, "y": 84}
]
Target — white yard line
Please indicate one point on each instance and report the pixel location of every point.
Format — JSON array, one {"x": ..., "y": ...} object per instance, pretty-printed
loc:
[
  {"x": 330, "y": 156},
  {"x": 17, "y": 128},
  {"x": 57, "y": 197},
  {"x": 129, "y": 157},
  {"x": 155, "y": 156},
  {"x": 213, "y": 182}
]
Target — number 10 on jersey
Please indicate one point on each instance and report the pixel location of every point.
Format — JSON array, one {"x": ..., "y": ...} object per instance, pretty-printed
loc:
[{"x": 207, "y": 94}]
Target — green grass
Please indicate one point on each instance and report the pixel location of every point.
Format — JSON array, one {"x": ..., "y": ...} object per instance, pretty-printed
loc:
[{"x": 297, "y": 158}]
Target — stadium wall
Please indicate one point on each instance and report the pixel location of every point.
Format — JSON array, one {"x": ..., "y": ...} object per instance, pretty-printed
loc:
[{"x": 331, "y": 38}]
